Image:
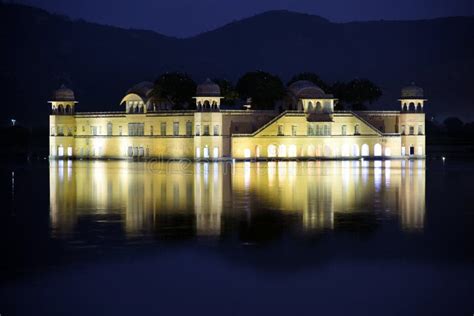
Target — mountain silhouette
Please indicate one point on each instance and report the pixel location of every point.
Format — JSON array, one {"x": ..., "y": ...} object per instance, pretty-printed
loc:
[{"x": 40, "y": 51}]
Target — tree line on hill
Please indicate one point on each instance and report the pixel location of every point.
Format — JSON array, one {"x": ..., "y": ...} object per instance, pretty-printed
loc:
[{"x": 264, "y": 89}]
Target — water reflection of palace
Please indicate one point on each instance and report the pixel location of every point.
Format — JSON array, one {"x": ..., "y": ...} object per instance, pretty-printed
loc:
[{"x": 197, "y": 199}]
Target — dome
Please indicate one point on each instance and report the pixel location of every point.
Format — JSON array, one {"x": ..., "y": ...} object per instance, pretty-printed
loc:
[
  {"x": 412, "y": 92},
  {"x": 304, "y": 89},
  {"x": 142, "y": 89},
  {"x": 208, "y": 89},
  {"x": 63, "y": 94}
]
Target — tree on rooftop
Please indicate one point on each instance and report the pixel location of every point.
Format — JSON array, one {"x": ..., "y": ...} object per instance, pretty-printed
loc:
[
  {"x": 228, "y": 92},
  {"x": 175, "y": 88},
  {"x": 356, "y": 93},
  {"x": 264, "y": 89}
]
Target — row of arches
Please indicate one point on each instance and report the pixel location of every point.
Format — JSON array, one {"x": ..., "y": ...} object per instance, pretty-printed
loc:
[
  {"x": 206, "y": 152},
  {"x": 292, "y": 151},
  {"x": 63, "y": 109},
  {"x": 412, "y": 107},
  {"x": 207, "y": 105}
]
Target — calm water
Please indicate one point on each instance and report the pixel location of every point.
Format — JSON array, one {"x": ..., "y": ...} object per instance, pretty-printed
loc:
[{"x": 280, "y": 238}]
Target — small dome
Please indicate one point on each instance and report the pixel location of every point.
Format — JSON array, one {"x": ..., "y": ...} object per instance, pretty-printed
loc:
[
  {"x": 208, "y": 89},
  {"x": 63, "y": 94},
  {"x": 304, "y": 89},
  {"x": 412, "y": 92},
  {"x": 142, "y": 89}
]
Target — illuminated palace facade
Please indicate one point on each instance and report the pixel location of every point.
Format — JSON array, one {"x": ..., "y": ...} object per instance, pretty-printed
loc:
[{"x": 308, "y": 128}]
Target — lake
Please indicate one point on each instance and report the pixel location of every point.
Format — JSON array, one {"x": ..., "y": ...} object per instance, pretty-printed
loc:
[{"x": 242, "y": 238}]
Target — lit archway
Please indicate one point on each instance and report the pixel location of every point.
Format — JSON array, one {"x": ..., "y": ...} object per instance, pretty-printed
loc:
[
  {"x": 355, "y": 150},
  {"x": 377, "y": 150},
  {"x": 327, "y": 151},
  {"x": 257, "y": 151},
  {"x": 311, "y": 151},
  {"x": 365, "y": 150},
  {"x": 247, "y": 153},
  {"x": 292, "y": 152},
  {"x": 282, "y": 151},
  {"x": 271, "y": 151},
  {"x": 345, "y": 150}
]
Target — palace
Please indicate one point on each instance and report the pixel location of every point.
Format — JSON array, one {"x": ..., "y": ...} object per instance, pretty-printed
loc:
[{"x": 309, "y": 128}]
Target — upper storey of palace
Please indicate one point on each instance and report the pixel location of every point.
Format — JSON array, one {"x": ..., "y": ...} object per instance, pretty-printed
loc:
[{"x": 307, "y": 109}]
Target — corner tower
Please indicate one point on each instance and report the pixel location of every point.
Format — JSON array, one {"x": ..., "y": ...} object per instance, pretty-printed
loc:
[
  {"x": 412, "y": 99},
  {"x": 62, "y": 123},
  {"x": 412, "y": 121},
  {"x": 63, "y": 101},
  {"x": 208, "y": 140}
]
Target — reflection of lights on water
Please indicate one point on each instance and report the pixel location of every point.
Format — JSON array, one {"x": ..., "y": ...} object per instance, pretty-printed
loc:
[
  {"x": 388, "y": 170},
  {"x": 316, "y": 196},
  {"x": 247, "y": 174},
  {"x": 61, "y": 170},
  {"x": 378, "y": 175},
  {"x": 206, "y": 173}
]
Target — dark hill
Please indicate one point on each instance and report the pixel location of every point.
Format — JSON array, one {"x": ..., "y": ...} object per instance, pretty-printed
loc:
[{"x": 41, "y": 50}]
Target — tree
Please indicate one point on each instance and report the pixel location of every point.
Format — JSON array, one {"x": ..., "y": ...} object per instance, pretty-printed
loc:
[
  {"x": 356, "y": 93},
  {"x": 264, "y": 89},
  {"x": 228, "y": 91},
  {"x": 312, "y": 77},
  {"x": 175, "y": 88}
]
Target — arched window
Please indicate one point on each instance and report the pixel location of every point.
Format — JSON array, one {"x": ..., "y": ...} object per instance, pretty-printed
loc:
[
  {"x": 310, "y": 106},
  {"x": 109, "y": 129},
  {"x": 215, "y": 152},
  {"x": 282, "y": 151},
  {"x": 411, "y": 107},
  {"x": 207, "y": 105},
  {"x": 327, "y": 151},
  {"x": 60, "y": 109},
  {"x": 319, "y": 107},
  {"x": 272, "y": 150},
  {"x": 257, "y": 151},
  {"x": 311, "y": 151},
  {"x": 419, "y": 108},
  {"x": 198, "y": 152},
  {"x": 68, "y": 109},
  {"x": 365, "y": 150},
  {"x": 345, "y": 151},
  {"x": 377, "y": 150},
  {"x": 355, "y": 150},
  {"x": 247, "y": 153},
  {"x": 292, "y": 152}
]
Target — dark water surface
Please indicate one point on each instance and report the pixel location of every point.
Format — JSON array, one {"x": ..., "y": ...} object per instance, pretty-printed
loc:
[{"x": 278, "y": 238}]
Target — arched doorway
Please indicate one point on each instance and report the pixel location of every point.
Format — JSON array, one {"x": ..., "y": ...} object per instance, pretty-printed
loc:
[
  {"x": 292, "y": 152},
  {"x": 355, "y": 150},
  {"x": 311, "y": 151},
  {"x": 345, "y": 150},
  {"x": 247, "y": 153},
  {"x": 327, "y": 151},
  {"x": 377, "y": 150},
  {"x": 282, "y": 151},
  {"x": 271, "y": 151},
  {"x": 365, "y": 150}
]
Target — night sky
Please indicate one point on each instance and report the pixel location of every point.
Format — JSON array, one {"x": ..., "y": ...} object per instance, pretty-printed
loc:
[{"x": 183, "y": 18}]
